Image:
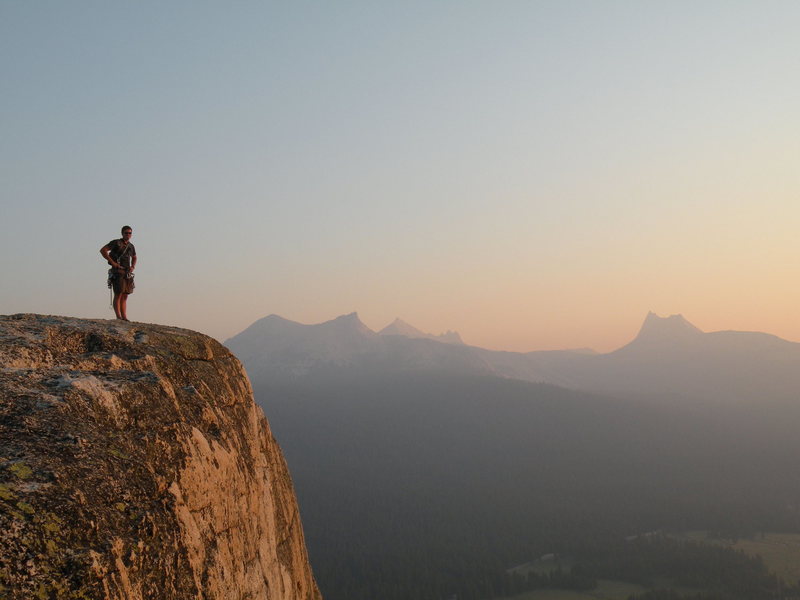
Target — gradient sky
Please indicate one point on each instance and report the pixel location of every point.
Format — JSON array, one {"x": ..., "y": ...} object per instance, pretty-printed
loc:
[{"x": 535, "y": 175}]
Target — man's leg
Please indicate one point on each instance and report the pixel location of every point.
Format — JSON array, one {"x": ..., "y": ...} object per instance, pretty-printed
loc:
[
  {"x": 117, "y": 303},
  {"x": 123, "y": 306}
]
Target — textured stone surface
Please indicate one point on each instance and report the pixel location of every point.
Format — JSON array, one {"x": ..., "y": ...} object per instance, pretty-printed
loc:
[{"x": 134, "y": 464}]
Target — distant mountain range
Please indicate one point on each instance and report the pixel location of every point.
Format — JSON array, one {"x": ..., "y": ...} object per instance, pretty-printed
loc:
[
  {"x": 669, "y": 358},
  {"x": 275, "y": 349}
]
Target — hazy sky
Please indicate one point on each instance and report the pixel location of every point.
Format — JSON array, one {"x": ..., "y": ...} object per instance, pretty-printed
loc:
[{"x": 532, "y": 174}]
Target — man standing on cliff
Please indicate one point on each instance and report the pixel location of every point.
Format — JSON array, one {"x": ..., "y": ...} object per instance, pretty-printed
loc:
[{"x": 121, "y": 255}]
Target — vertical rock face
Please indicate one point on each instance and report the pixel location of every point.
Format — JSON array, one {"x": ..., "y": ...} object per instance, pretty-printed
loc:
[{"x": 134, "y": 464}]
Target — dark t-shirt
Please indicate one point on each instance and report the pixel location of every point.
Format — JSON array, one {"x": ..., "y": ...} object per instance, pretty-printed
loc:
[{"x": 119, "y": 253}]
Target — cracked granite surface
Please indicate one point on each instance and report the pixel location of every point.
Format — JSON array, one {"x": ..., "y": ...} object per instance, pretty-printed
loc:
[{"x": 134, "y": 464}]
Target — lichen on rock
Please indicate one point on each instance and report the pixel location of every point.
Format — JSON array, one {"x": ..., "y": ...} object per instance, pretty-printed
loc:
[{"x": 134, "y": 464}]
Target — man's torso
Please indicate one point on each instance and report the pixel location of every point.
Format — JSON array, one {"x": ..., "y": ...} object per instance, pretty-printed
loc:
[{"x": 121, "y": 252}]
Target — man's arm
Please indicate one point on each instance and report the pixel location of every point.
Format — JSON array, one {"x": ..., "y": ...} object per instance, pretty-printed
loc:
[{"x": 105, "y": 252}]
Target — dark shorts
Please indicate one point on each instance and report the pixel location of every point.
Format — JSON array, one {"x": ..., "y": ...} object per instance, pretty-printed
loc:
[{"x": 121, "y": 283}]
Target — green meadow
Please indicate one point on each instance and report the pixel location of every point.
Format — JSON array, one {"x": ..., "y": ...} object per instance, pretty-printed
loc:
[
  {"x": 605, "y": 590},
  {"x": 779, "y": 551}
]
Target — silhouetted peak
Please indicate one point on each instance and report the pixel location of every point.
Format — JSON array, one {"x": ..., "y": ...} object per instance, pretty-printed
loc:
[
  {"x": 400, "y": 327},
  {"x": 451, "y": 337},
  {"x": 673, "y": 327},
  {"x": 273, "y": 318},
  {"x": 349, "y": 322},
  {"x": 349, "y": 318},
  {"x": 269, "y": 325}
]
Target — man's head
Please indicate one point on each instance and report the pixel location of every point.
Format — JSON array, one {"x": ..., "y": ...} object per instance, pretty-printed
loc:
[{"x": 127, "y": 231}]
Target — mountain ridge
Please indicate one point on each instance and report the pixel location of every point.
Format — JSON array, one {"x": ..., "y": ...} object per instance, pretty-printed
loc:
[{"x": 668, "y": 356}]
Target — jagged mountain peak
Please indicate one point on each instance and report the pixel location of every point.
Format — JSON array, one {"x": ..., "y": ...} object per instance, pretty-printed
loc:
[
  {"x": 273, "y": 318},
  {"x": 349, "y": 317},
  {"x": 270, "y": 325},
  {"x": 451, "y": 337},
  {"x": 400, "y": 327},
  {"x": 349, "y": 322},
  {"x": 673, "y": 328}
]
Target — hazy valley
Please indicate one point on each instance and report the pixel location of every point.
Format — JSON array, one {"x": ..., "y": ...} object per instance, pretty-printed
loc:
[{"x": 427, "y": 469}]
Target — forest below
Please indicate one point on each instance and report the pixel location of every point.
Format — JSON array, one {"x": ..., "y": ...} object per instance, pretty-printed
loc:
[{"x": 433, "y": 486}]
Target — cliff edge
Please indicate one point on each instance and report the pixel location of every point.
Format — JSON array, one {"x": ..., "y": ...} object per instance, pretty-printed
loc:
[{"x": 134, "y": 464}]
